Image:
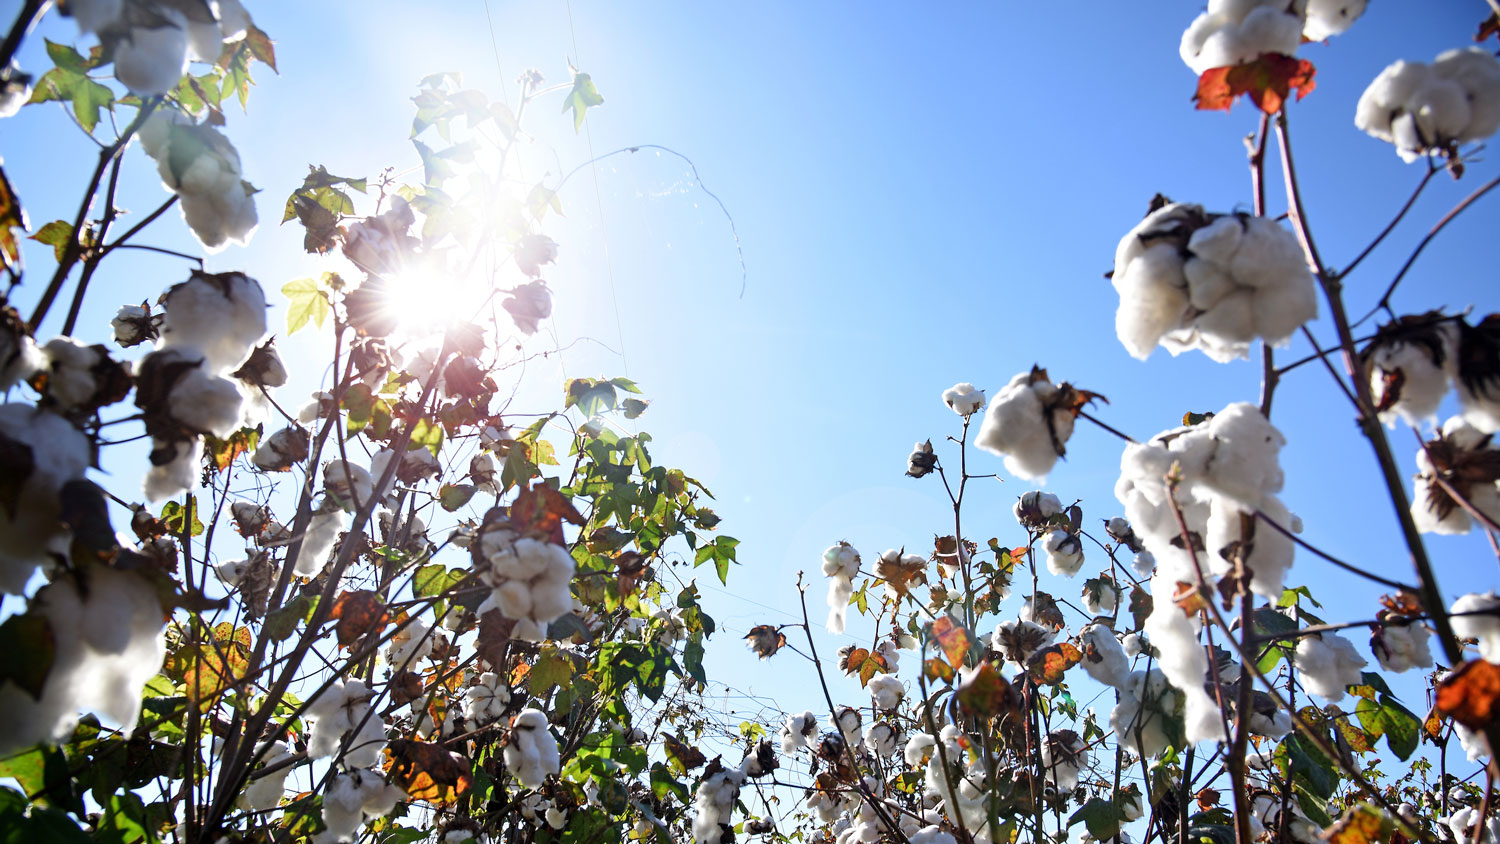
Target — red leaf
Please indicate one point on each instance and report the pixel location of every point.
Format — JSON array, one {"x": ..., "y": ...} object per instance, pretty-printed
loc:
[
  {"x": 1267, "y": 81},
  {"x": 1470, "y": 695}
]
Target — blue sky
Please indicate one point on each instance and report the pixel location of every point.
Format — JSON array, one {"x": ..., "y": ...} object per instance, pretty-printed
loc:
[{"x": 922, "y": 198}]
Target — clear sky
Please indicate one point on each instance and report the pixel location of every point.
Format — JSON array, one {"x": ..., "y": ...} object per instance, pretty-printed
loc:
[{"x": 924, "y": 194}]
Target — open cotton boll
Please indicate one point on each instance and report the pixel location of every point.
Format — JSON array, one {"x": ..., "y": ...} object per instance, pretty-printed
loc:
[
  {"x": 1484, "y": 626},
  {"x": 1231, "y": 33},
  {"x": 349, "y": 485},
  {"x": 1460, "y": 826},
  {"x": 1103, "y": 658},
  {"x": 1327, "y": 18},
  {"x": 335, "y": 712},
  {"x": 1462, "y": 456},
  {"x": 964, "y": 399},
  {"x": 840, "y": 564},
  {"x": 202, "y": 167},
  {"x": 264, "y": 793},
  {"x": 532, "y": 752},
  {"x": 322, "y": 532},
  {"x": 1271, "y": 551},
  {"x": 1146, "y": 712},
  {"x": 1327, "y": 663},
  {"x": 223, "y": 315},
  {"x": 177, "y": 473},
  {"x": 1064, "y": 552},
  {"x": 350, "y": 797},
  {"x": 1028, "y": 425},
  {"x": 207, "y": 403},
  {"x": 886, "y": 691},
  {"x": 1175, "y": 637},
  {"x": 1153, "y": 299},
  {"x": 1410, "y": 364},
  {"x": 881, "y": 739},
  {"x": 1018, "y": 640},
  {"x": 1036, "y": 508},
  {"x": 796, "y": 730},
  {"x": 531, "y": 579},
  {"x": 713, "y": 805},
  {"x": 1064, "y": 754},
  {"x": 1424, "y": 109},
  {"x": 1477, "y": 72},
  {"x": 70, "y": 378},
  {"x": 486, "y": 700},
  {"x": 150, "y": 61},
  {"x": 1402, "y": 647},
  {"x": 59, "y": 453},
  {"x": 107, "y": 642}
]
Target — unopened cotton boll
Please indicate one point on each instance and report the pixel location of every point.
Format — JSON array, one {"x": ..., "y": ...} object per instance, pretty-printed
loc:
[
  {"x": 1029, "y": 424},
  {"x": 107, "y": 641},
  {"x": 220, "y": 315},
  {"x": 964, "y": 399},
  {"x": 30, "y": 527},
  {"x": 1327, "y": 664},
  {"x": 1477, "y": 616}
]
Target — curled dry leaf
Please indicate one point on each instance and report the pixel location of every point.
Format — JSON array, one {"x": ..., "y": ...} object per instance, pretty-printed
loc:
[
  {"x": 766, "y": 640},
  {"x": 1050, "y": 663},
  {"x": 427, "y": 770},
  {"x": 1470, "y": 695},
  {"x": 358, "y": 613}
]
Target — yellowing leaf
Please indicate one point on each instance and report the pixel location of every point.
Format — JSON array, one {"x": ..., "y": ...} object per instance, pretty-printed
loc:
[{"x": 306, "y": 301}]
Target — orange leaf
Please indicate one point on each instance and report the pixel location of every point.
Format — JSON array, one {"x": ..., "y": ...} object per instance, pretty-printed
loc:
[
  {"x": 1469, "y": 695},
  {"x": 984, "y": 692},
  {"x": 543, "y": 509},
  {"x": 1267, "y": 81},
  {"x": 1362, "y": 824},
  {"x": 427, "y": 771},
  {"x": 358, "y": 613},
  {"x": 936, "y": 669},
  {"x": 952, "y": 639},
  {"x": 1049, "y": 664}
]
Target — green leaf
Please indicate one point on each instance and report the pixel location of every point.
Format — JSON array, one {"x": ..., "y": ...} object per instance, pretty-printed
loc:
[
  {"x": 454, "y": 496},
  {"x": 583, "y": 96},
  {"x": 177, "y": 518},
  {"x": 56, "y": 234},
  {"x": 428, "y": 435},
  {"x": 1388, "y": 718},
  {"x": 633, "y": 407},
  {"x": 435, "y": 579},
  {"x": 27, "y": 649},
  {"x": 280, "y": 624},
  {"x": 69, "y": 84},
  {"x": 1100, "y": 816},
  {"x": 307, "y": 301}
]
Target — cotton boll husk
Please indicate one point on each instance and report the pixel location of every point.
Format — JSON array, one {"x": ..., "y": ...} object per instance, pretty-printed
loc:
[
  {"x": 1153, "y": 299},
  {"x": 1175, "y": 637},
  {"x": 223, "y": 316},
  {"x": 1485, "y": 627},
  {"x": 322, "y": 531},
  {"x": 1327, "y": 18},
  {"x": 1103, "y": 658},
  {"x": 59, "y": 453},
  {"x": 1327, "y": 664},
  {"x": 107, "y": 642},
  {"x": 151, "y": 61}
]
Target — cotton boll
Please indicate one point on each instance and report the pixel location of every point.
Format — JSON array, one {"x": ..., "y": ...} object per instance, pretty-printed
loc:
[
  {"x": 1424, "y": 110},
  {"x": 151, "y": 61},
  {"x": 203, "y": 168},
  {"x": 1410, "y": 364},
  {"x": 107, "y": 642},
  {"x": 713, "y": 805},
  {"x": 1064, "y": 754},
  {"x": 1386, "y": 95},
  {"x": 177, "y": 473},
  {"x": 881, "y": 740},
  {"x": 1231, "y": 33},
  {"x": 1018, "y": 640},
  {"x": 1327, "y": 664},
  {"x": 840, "y": 590},
  {"x": 532, "y": 752},
  {"x": 322, "y": 531},
  {"x": 1208, "y": 283},
  {"x": 885, "y": 691},
  {"x": 1064, "y": 553},
  {"x": 1477, "y": 72},
  {"x": 1484, "y": 626},
  {"x": 1143, "y": 564},
  {"x": 1146, "y": 711},
  {"x": 1026, "y": 425},
  {"x": 1402, "y": 647},
  {"x": 28, "y": 529},
  {"x": 264, "y": 793},
  {"x": 486, "y": 700},
  {"x": 1327, "y": 18},
  {"x": 841, "y": 560},
  {"x": 1036, "y": 508},
  {"x": 964, "y": 399},
  {"x": 351, "y": 486},
  {"x": 1182, "y": 660},
  {"x": 1271, "y": 553},
  {"x": 222, "y": 315},
  {"x": 1153, "y": 299},
  {"x": 796, "y": 730},
  {"x": 1103, "y": 658},
  {"x": 207, "y": 403}
]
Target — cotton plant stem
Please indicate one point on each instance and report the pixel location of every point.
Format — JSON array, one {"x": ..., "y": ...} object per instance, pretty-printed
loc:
[
  {"x": 30, "y": 13},
  {"x": 1430, "y": 594}
]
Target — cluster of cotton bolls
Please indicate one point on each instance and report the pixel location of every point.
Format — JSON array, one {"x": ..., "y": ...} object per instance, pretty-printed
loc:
[
  {"x": 1216, "y": 282},
  {"x": 840, "y": 564},
  {"x": 1226, "y": 468},
  {"x": 713, "y": 804},
  {"x": 531, "y": 579},
  {"x": 967, "y": 803},
  {"x": 1464, "y": 458},
  {"x": 1234, "y": 32},
  {"x": 351, "y": 797},
  {"x": 107, "y": 641},
  {"x": 1029, "y": 424},
  {"x": 211, "y": 325},
  {"x": 1328, "y": 662},
  {"x": 531, "y": 755},
  {"x": 1427, "y": 109},
  {"x": 202, "y": 167},
  {"x": 77, "y": 379},
  {"x": 30, "y": 528},
  {"x": 152, "y": 42},
  {"x": 343, "y": 716}
]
